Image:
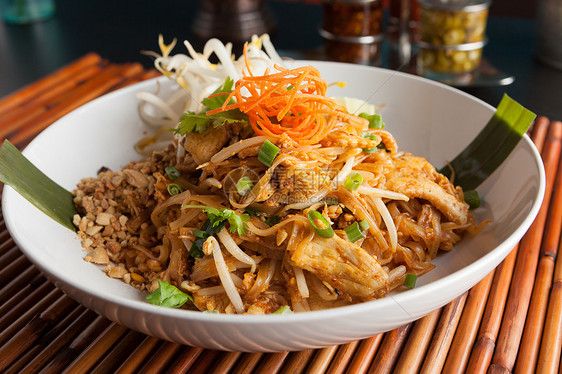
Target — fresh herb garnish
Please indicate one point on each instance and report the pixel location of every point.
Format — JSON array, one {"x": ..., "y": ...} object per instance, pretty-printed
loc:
[
  {"x": 273, "y": 220},
  {"x": 216, "y": 100},
  {"x": 172, "y": 172},
  {"x": 353, "y": 232},
  {"x": 219, "y": 217},
  {"x": 168, "y": 295},
  {"x": 174, "y": 189},
  {"x": 353, "y": 181},
  {"x": 320, "y": 224},
  {"x": 199, "y": 122},
  {"x": 472, "y": 199},
  {"x": 375, "y": 120},
  {"x": 191, "y": 121},
  {"x": 30, "y": 182}
]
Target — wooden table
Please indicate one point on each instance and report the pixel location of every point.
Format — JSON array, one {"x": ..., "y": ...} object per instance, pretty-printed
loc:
[{"x": 510, "y": 321}]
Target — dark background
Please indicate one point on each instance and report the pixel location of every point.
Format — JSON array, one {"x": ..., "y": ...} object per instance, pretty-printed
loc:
[{"x": 119, "y": 30}]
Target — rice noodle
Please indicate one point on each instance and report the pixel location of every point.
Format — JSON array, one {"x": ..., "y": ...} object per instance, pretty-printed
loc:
[{"x": 378, "y": 192}]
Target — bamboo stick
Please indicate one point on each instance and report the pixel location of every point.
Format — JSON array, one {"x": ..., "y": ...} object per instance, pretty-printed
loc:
[
  {"x": 52, "y": 347},
  {"x": 322, "y": 359},
  {"x": 14, "y": 268},
  {"x": 18, "y": 116},
  {"x": 138, "y": 356},
  {"x": 226, "y": 362},
  {"x": 526, "y": 265},
  {"x": 343, "y": 357},
  {"x": 389, "y": 351},
  {"x": 19, "y": 327},
  {"x": 467, "y": 329},
  {"x": 32, "y": 331},
  {"x": 69, "y": 353},
  {"x": 205, "y": 362},
  {"x": 52, "y": 80},
  {"x": 443, "y": 336},
  {"x": 272, "y": 363},
  {"x": 540, "y": 129},
  {"x": 88, "y": 358},
  {"x": 416, "y": 346},
  {"x": 17, "y": 283},
  {"x": 364, "y": 355},
  {"x": 9, "y": 253},
  {"x": 84, "y": 93},
  {"x": 297, "y": 361},
  {"x": 247, "y": 363},
  {"x": 49, "y": 335},
  {"x": 185, "y": 360},
  {"x": 160, "y": 359},
  {"x": 21, "y": 302},
  {"x": 120, "y": 352},
  {"x": 530, "y": 343}
]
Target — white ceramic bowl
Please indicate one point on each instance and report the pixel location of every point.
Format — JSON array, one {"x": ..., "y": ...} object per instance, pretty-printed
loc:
[{"x": 427, "y": 118}]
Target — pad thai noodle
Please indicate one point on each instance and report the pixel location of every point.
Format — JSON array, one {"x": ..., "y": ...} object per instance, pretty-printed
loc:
[{"x": 268, "y": 196}]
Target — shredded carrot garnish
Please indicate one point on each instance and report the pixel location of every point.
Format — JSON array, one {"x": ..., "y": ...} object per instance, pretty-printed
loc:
[{"x": 290, "y": 101}]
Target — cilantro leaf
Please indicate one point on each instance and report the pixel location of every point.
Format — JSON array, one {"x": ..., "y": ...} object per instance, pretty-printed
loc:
[
  {"x": 168, "y": 295},
  {"x": 190, "y": 122},
  {"x": 215, "y": 102},
  {"x": 220, "y": 216}
]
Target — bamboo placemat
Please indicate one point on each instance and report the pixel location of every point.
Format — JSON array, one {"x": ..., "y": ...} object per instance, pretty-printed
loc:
[{"x": 510, "y": 321}]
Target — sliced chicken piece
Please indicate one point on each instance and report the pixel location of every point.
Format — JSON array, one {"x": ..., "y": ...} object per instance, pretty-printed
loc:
[
  {"x": 450, "y": 205},
  {"x": 344, "y": 265},
  {"x": 202, "y": 146}
]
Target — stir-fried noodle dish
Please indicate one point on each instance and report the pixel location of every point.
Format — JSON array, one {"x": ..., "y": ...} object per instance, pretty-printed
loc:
[{"x": 260, "y": 194}]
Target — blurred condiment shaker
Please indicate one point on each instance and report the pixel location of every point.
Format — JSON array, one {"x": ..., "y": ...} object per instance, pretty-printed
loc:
[
  {"x": 452, "y": 35},
  {"x": 352, "y": 30},
  {"x": 549, "y": 32},
  {"x": 234, "y": 21}
]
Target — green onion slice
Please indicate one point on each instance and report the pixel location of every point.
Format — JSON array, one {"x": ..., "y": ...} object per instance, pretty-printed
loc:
[
  {"x": 492, "y": 145},
  {"x": 375, "y": 120},
  {"x": 244, "y": 185},
  {"x": 353, "y": 232},
  {"x": 353, "y": 181},
  {"x": 174, "y": 189},
  {"x": 410, "y": 280},
  {"x": 472, "y": 199},
  {"x": 268, "y": 152},
  {"x": 364, "y": 225},
  {"x": 326, "y": 231},
  {"x": 172, "y": 172},
  {"x": 200, "y": 234},
  {"x": 283, "y": 310},
  {"x": 366, "y": 135}
]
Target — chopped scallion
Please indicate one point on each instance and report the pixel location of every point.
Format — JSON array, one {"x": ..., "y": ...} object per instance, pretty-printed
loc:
[
  {"x": 410, "y": 280},
  {"x": 472, "y": 199},
  {"x": 316, "y": 219},
  {"x": 268, "y": 152},
  {"x": 244, "y": 186},
  {"x": 199, "y": 234},
  {"x": 172, "y": 172},
  {"x": 366, "y": 135},
  {"x": 353, "y": 181},
  {"x": 353, "y": 232},
  {"x": 283, "y": 310},
  {"x": 364, "y": 225},
  {"x": 375, "y": 120},
  {"x": 174, "y": 189}
]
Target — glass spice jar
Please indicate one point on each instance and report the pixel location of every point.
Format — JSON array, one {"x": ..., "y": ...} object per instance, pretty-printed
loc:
[
  {"x": 458, "y": 59},
  {"x": 356, "y": 49},
  {"x": 453, "y": 22},
  {"x": 352, "y": 17}
]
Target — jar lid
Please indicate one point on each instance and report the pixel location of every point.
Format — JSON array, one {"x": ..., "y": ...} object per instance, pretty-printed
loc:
[
  {"x": 368, "y": 39},
  {"x": 453, "y": 47},
  {"x": 456, "y": 5}
]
